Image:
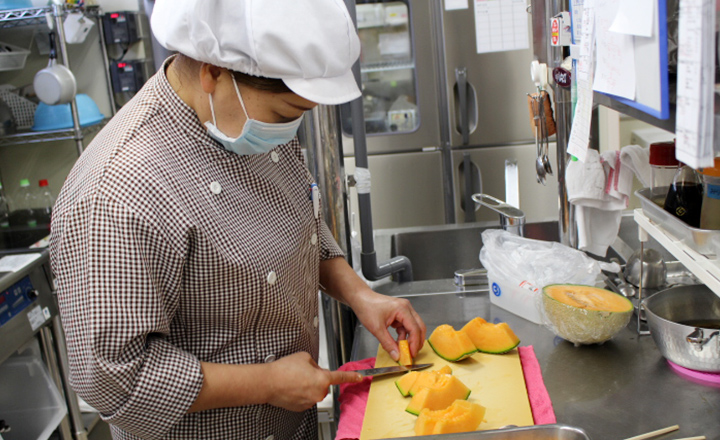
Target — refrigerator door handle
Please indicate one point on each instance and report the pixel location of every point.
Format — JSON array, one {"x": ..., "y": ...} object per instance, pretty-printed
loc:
[
  {"x": 466, "y": 110},
  {"x": 462, "y": 85}
]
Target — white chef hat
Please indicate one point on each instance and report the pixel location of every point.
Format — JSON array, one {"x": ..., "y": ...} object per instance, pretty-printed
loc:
[{"x": 310, "y": 44}]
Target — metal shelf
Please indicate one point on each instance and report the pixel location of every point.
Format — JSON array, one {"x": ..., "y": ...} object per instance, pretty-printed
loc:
[
  {"x": 34, "y": 137},
  {"x": 387, "y": 66},
  {"x": 24, "y": 17},
  {"x": 34, "y": 16},
  {"x": 666, "y": 124},
  {"x": 706, "y": 269}
]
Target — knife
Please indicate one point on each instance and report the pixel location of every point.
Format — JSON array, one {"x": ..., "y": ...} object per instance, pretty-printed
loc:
[{"x": 390, "y": 370}]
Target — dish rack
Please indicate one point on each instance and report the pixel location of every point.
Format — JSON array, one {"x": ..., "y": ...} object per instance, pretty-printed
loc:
[{"x": 696, "y": 248}]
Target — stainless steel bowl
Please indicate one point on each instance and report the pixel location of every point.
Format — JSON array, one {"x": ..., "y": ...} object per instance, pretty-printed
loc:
[
  {"x": 685, "y": 325},
  {"x": 654, "y": 270}
]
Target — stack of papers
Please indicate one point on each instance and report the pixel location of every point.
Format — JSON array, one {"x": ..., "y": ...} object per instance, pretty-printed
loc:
[{"x": 696, "y": 82}]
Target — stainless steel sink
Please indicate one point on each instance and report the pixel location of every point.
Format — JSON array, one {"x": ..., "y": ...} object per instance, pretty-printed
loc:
[{"x": 437, "y": 252}]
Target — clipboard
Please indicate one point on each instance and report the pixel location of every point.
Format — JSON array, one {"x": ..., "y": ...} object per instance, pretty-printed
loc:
[{"x": 651, "y": 65}]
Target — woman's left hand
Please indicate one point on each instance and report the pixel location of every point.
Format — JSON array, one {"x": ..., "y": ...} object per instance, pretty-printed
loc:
[
  {"x": 379, "y": 312},
  {"x": 376, "y": 312}
]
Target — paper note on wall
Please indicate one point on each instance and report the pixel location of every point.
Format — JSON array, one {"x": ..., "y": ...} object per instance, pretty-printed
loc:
[
  {"x": 501, "y": 25},
  {"x": 695, "y": 85},
  {"x": 634, "y": 18},
  {"x": 453, "y": 5},
  {"x": 615, "y": 64},
  {"x": 580, "y": 131}
]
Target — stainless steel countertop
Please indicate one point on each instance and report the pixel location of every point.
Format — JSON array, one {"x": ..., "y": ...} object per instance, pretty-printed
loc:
[{"x": 613, "y": 391}]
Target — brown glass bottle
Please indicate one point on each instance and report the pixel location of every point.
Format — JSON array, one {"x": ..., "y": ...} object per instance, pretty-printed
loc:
[{"x": 685, "y": 196}]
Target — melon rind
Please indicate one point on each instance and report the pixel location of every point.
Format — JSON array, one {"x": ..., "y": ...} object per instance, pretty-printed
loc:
[
  {"x": 583, "y": 326},
  {"x": 405, "y": 383},
  {"x": 491, "y": 338},
  {"x": 439, "y": 395}
]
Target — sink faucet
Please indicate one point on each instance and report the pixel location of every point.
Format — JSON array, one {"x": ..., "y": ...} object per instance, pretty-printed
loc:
[{"x": 512, "y": 219}]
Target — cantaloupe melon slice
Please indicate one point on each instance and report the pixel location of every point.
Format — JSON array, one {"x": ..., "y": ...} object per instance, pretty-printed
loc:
[
  {"x": 585, "y": 314},
  {"x": 438, "y": 395},
  {"x": 451, "y": 344},
  {"x": 405, "y": 356},
  {"x": 491, "y": 338},
  {"x": 406, "y": 384},
  {"x": 461, "y": 416}
]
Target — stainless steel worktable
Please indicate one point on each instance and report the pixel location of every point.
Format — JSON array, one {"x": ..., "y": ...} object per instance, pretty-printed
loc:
[{"x": 613, "y": 391}]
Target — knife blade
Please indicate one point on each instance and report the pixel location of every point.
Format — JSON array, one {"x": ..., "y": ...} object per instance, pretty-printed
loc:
[{"x": 390, "y": 370}]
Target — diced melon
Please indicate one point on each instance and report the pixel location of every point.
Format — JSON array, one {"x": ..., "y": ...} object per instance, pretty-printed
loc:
[
  {"x": 461, "y": 416},
  {"x": 406, "y": 384},
  {"x": 491, "y": 338},
  {"x": 451, "y": 344},
  {"x": 405, "y": 356},
  {"x": 585, "y": 314},
  {"x": 439, "y": 395}
]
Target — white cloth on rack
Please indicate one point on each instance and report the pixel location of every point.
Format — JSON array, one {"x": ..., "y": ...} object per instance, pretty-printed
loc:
[
  {"x": 600, "y": 188},
  {"x": 597, "y": 213}
]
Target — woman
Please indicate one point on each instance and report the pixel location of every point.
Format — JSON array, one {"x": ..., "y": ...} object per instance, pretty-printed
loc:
[{"x": 188, "y": 243}]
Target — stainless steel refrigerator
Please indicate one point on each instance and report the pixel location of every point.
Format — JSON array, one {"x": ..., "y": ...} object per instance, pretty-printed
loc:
[{"x": 433, "y": 104}]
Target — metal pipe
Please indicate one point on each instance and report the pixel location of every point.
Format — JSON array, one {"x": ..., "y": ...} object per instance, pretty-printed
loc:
[
  {"x": 58, "y": 11},
  {"x": 563, "y": 112},
  {"x": 372, "y": 270},
  {"x": 106, "y": 64},
  {"x": 438, "y": 46},
  {"x": 48, "y": 347},
  {"x": 70, "y": 396}
]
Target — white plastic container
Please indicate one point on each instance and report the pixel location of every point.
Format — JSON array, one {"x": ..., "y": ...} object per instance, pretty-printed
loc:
[
  {"x": 521, "y": 300},
  {"x": 12, "y": 57}
]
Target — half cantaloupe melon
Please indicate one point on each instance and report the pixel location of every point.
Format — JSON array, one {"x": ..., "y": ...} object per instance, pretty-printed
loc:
[
  {"x": 405, "y": 356},
  {"x": 439, "y": 395},
  {"x": 491, "y": 338},
  {"x": 585, "y": 314},
  {"x": 461, "y": 416},
  {"x": 450, "y": 344},
  {"x": 412, "y": 381}
]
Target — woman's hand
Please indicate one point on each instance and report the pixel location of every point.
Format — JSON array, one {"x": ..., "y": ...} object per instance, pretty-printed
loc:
[
  {"x": 378, "y": 312},
  {"x": 297, "y": 382}
]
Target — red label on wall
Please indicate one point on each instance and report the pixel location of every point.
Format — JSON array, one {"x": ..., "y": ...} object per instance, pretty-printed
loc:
[{"x": 555, "y": 31}]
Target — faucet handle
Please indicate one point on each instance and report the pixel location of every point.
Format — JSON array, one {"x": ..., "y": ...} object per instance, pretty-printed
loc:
[{"x": 512, "y": 219}]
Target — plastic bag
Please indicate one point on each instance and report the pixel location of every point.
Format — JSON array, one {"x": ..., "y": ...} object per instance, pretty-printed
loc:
[{"x": 518, "y": 259}]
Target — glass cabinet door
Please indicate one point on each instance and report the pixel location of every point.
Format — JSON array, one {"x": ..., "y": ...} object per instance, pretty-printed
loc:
[{"x": 387, "y": 66}]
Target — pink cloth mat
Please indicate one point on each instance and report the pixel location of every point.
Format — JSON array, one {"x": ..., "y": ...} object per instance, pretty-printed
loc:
[{"x": 353, "y": 397}]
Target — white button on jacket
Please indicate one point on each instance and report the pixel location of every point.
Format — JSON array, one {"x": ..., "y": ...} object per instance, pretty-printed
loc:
[{"x": 272, "y": 278}]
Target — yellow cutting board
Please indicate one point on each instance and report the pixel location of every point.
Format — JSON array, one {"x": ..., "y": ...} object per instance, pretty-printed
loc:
[{"x": 496, "y": 381}]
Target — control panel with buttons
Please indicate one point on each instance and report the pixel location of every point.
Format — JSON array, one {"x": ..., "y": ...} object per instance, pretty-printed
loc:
[{"x": 16, "y": 299}]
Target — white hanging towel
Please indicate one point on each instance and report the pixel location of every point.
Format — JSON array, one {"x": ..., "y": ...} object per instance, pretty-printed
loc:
[{"x": 597, "y": 212}]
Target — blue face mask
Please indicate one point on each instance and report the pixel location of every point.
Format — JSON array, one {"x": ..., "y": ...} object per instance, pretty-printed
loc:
[{"x": 257, "y": 137}]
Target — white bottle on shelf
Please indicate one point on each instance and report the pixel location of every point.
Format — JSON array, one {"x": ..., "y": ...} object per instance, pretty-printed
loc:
[
  {"x": 26, "y": 204},
  {"x": 4, "y": 210},
  {"x": 45, "y": 202}
]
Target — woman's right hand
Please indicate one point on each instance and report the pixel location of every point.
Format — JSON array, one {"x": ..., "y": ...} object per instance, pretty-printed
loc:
[{"x": 297, "y": 382}]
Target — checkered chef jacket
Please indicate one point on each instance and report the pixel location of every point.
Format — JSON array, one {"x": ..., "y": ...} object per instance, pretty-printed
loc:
[{"x": 169, "y": 250}]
